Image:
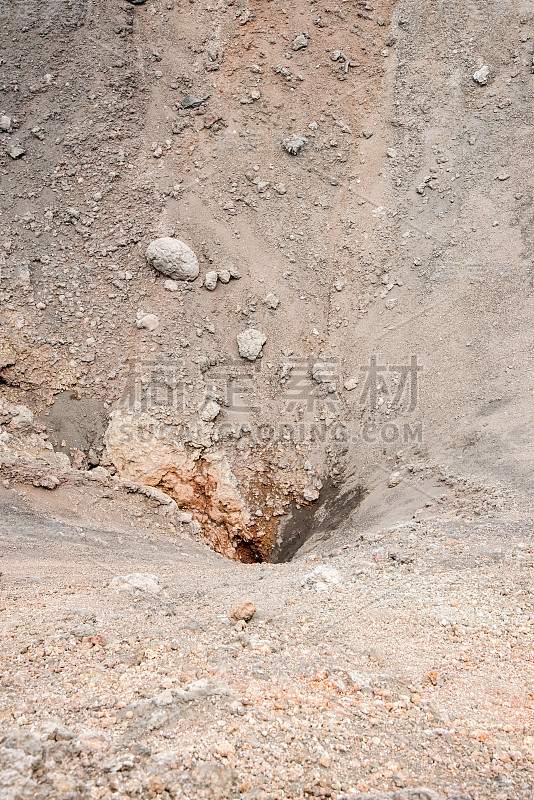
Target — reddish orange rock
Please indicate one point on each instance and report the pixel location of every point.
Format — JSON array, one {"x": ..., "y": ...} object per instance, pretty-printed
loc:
[{"x": 244, "y": 610}]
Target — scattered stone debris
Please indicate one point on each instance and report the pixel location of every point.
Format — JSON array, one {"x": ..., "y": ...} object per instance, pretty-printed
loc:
[
  {"x": 338, "y": 55},
  {"x": 408, "y": 662},
  {"x": 250, "y": 343},
  {"x": 173, "y": 258}
]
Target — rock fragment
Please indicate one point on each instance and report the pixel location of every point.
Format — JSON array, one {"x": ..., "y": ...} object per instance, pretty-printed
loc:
[
  {"x": 250, "y": 343},
  {"x": 293, "y": 144},
  {"x": 210, "y": 411},
  {"x": 136, "y": 581},
  {"x": 300, "y": 42},
  {"x": 205, "y": 688},
  {"x": 15, "y": 151},
  {"x": 47, "y": 482},
  {"x": 394, "y": 479},
  {"x": 322, "y": 577},
  {"x": 271, "y": 301},
  {"x": 147, "y": 321},
  {"x": 244, "y": 610},
  {"x": 481, "y": 75},
  {"x": 172, "y": 258},
  {"x": 210, "y": 281},
  {"x": 234, "y": 273},
  {"x": 193, "y": 100},
  {"x": 54, "y": 730},
  {"x": 311, "y": 493},
  {"x": 224, "y": 275},
  {"x": 5, "y": 123},
  {"x": 323, "y": 373}
]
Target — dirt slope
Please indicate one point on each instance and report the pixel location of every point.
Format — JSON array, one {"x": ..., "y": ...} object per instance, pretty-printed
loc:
[{"x": 357, "y": 175}]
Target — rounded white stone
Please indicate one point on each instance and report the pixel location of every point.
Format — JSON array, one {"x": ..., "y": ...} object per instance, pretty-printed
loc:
[{"x": 173, "y": 258}]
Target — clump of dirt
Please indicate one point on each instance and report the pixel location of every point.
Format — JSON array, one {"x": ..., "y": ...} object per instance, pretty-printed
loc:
[{"x": 76, "y": 425}]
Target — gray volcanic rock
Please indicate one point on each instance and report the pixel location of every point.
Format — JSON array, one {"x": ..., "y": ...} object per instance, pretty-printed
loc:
[
  {"x": 250, "y": 343},
  {"x": 172, "y": 258}
]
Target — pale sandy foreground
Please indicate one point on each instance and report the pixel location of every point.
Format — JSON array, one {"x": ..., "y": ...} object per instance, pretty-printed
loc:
[{"x": 415, "y": 670}]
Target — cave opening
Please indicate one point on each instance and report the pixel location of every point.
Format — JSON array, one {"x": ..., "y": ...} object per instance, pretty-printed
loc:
[{"x": 303, "y": 520}]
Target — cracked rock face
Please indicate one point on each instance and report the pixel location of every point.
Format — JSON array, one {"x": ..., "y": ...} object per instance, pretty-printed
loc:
[
  {"x": 221, "y": 490},
  {"x": 199, "y": 482},
  {"x": 173, "y": 258}
]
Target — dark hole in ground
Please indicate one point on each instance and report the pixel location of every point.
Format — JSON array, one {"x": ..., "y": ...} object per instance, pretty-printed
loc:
[
  {"x": 334, "y": 506},
  {"x": 249, "y": 553}
]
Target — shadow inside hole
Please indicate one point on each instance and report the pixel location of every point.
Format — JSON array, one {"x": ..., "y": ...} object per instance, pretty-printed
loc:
[{"x": 330, "y": 511}]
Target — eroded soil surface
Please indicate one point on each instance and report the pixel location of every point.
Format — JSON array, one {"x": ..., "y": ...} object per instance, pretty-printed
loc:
[{"x": 332, "y": 421}]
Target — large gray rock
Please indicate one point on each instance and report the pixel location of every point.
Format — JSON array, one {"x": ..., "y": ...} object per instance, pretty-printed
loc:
[
  {"x": 172, "y": 258},
  {"x": 250, "y": 343}
]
